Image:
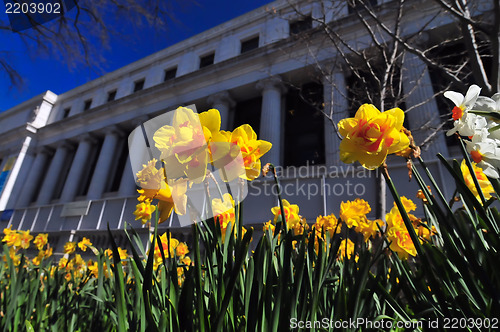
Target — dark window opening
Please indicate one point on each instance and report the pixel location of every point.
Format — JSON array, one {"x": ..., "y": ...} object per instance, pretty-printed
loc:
[
  {"x": 138, "y": 85},
  {"x": 170, "y": 74},
  {"x": 207, "y": 60},
  {"x": 250, "y": 44},
  {"x": 39, "y": 181},
  {"x": 304, "y": 126},
  {"x": 63, "y": 177},
  {"x": 248, "y": 111},
  {"x": 66, "y": 112},
  {"x": 364, "y": 88},
  {"x": 111, "y": 95},
  {"x": 87, "y": 104},
  {"x": 300, "y": 25},
  {"x": 116, "y": 172},
  {"x": 89, "y": 171}
]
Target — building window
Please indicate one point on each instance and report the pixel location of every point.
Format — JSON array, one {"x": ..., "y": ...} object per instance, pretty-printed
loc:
[
  {"x": 170, "y": 74},
  {"x": 139, "y": 85},
  {"x": 304, "y": 126},
  {"x": 66, "y": 112},
  {"x": 300, "y": 25},
  {"x": 207, "y": 60},
  {"x": 87, "y": 104},
  {"x": 86, "y": 177},
  {"x": 248, "y": 111},
  {"x": 111, "y": 95},
  {"x": 118, "y": 168},
  {"x": 250, "y": 44},
  {"x": 62, "y": 176}
]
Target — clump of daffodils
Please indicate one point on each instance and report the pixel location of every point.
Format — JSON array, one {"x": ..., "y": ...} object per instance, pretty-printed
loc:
[
  {"x": 476, "y": 119},
  {"x": 189, "y": 148},
  {"x": 17, "y": 241},
  {"x": 397, "y": 233},
  {"x": 353, "y": 215}
]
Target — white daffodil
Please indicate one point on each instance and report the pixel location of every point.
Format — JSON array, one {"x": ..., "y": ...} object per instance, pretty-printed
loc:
[
  {"x": 468, "y": 125},
  {"x": 490, "y": 105},
  {"x": 485, "y": 152},
  {"x": 460, "y": 112}
]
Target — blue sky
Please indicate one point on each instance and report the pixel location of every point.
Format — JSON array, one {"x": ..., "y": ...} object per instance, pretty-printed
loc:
[{"x": 41, "y": 73}]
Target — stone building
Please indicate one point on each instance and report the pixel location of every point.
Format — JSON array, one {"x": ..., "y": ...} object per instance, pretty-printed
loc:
[{"x": 64, "y": 158}]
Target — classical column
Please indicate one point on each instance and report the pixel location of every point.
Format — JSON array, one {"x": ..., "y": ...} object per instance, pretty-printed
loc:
[
  {"x": 336, "y": 106},
  {"x": 271, "y": 116},
  {"x": 423, "y": 119},
  {"x": 54, "y": 173},
  {"x": 34, "y": 176},
  {"x": 223, "y": 102},
  {"x": 104, "y": 163},
  {"x": 80, "y": 162}
]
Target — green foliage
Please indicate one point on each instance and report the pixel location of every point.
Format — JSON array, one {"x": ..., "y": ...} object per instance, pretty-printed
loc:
[{"x": 286, "y": 277}]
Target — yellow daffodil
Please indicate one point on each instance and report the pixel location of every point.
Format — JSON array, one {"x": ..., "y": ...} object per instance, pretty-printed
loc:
[
  {"x": 251, "y": 150},
  {"x": 25, "y": 239},
  {"x": 371, "y": 135},
  {"x": 69, "y": 247},
  {"x": 300, "y": 227},
  {"x": 224, "y": 213},
  {"x": 41, "y": 240},
  {"x": 168, "y": 245},
  {"x": 329, "y": 223},
  {"x": 369, "y": 228},
  {"x": 187, "y": 260},
  {"x": 181, "y": 250},
  {"x": 183, "y": 146},
  {"x": 401, "y": 242},
  {"x": 397, "y": 233},
  {"x": 483, "y": 181},
  {"x": 62, "y": 263},
  {"x": 144, "y": 210},
  {"x": 346, "y": 249},
  {"x": 291, "y": 213},
  {"x": 38, "y": 259},
  {"x": 354, "y": 212},
  {"x": 268, "y": 225},
  {"x": 84, "y": 243},
  {"x": 154, "y": 186},
  {"x": 12, "y": 239}
]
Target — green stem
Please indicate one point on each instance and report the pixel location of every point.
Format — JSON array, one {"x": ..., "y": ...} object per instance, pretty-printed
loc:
[{"x": 277, "y": 182}]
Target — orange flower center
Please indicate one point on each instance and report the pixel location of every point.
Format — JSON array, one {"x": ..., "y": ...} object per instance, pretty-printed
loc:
[
  {"x": 476, "y": 156},
  {"x": 458, "y": 112}
]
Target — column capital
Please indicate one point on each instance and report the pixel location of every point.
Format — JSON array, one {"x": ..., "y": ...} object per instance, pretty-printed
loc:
[
  {"x": 273, "y": 82},
  {"x": 65, "y": 145},
  {"x": 44, "y": 150},
  {"x": 86, "y": 137},
  {"x": 114, "y": 130},
  {"x": 221, "y": 97}
]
